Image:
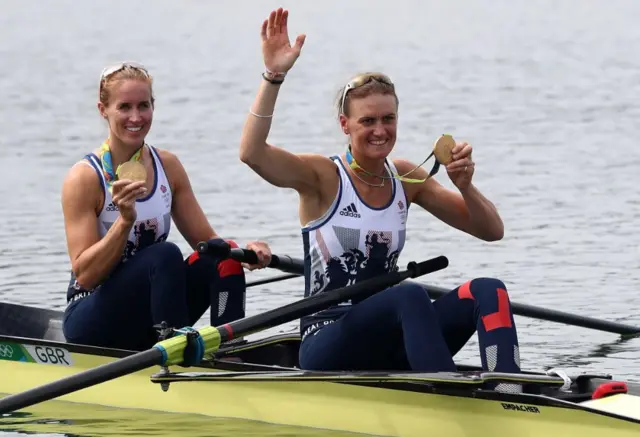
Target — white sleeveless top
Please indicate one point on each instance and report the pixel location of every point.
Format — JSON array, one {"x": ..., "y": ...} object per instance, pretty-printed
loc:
[
  {"x": 352, "y": 241},
  {"x": 153, "y": 221}
]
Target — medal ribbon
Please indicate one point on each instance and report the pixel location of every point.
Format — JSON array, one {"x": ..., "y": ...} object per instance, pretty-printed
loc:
[
  {"x": 107, "y": 166},
  {"x": 355, "y": 166}
]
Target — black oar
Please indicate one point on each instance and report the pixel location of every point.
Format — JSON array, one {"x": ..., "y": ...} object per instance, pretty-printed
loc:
[
  {"x": 281, "y": 262},
  {"x": 284, "y": 263},
  {"x": 208, "y": 339},
  {"x": 296, "y": 266},
  {"x": 525, "y": 310},
  {"x": 272, "y": 279}
]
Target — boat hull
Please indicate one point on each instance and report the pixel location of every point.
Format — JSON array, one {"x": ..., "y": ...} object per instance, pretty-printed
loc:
[
  {"x": 33, "y": 353},
  {"x": 346, "y": 406}
]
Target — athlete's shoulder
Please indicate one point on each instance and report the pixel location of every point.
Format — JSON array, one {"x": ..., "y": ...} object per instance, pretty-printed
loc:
[
  {"x": 164, "y": 154},
  {"x": 173, "y": 168},
  {"x": 81, "y": 187},
  {"x": 170, "y": 161},
  {"x": 324, "y": 167},
  {"x": 82, "y": 172}
]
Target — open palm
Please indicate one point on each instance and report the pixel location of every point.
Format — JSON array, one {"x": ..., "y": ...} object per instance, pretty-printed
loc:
[{"x": 279, "y": 55}]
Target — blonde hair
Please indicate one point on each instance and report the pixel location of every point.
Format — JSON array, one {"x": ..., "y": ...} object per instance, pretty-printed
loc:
[
  {"x": 126, "y": 72},
  {"x": 372, "y": 83}
]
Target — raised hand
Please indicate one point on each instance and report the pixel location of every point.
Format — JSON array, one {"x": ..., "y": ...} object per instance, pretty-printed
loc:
[{"x": 279, "y": 56}]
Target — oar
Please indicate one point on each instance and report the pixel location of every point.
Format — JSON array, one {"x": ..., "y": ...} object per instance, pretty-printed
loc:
[
  {"x": 208, "y": 339},
  {"x": 295, "y": 265},
  {"x": 555, "y": 316},
  {"x": 284, "y": 263},
  {"x": 272, "y": 279}
]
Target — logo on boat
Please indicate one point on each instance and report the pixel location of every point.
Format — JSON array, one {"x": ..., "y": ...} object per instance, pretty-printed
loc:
[
  {"x": 49, "y": 355},
  {"x": 518, "y": 407},
  {"x": 6, "y": 351}
]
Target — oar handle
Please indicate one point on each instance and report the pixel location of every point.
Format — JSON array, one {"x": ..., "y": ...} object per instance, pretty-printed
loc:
[
  {"x": 224, "y": 250},
  {"x": 415, "y": 269}
]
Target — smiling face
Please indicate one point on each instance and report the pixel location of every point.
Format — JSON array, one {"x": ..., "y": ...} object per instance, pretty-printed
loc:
[
  {"x": 372, "y": 125},
  {"x": 126, "y": 102},
  {"x": 370, "y": 118}
]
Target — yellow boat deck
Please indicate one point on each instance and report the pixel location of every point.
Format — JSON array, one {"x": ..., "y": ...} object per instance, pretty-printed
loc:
[{"x": 313, "y": 405}]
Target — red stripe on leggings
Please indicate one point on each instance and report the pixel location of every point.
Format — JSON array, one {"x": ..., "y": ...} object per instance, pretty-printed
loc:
[
  {"x": 464, "y": 291},
  {"x": 229, "y": 267},
  {"x": 502, "y": 317},
  {"x": 195, "y": 256}
]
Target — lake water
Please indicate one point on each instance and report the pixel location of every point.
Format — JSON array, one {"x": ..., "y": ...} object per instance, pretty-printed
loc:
[{"x": 547, "y": 92}]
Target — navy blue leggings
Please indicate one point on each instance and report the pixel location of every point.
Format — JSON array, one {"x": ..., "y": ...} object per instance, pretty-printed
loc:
[
  {"x": 153, "y": 286},
  {"x": 402, "y": 329}
]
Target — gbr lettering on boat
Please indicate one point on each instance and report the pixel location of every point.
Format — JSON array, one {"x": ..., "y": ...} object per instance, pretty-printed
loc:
[{"x": 49, "y": 355}]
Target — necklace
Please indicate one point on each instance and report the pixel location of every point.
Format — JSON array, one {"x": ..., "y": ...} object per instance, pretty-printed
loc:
[
  {"x": 353, "y": 164},
  {"x": 381, "y": 184},
  {"x": 354, "y": 167}
]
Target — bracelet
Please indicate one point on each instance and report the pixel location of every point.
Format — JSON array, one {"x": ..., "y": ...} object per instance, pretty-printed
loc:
[
  {"x": 258, "y": 115},
  {"x": 274, "y": 78},
  {"x": 274, "y": 74},
  {"x": 271, "y": 78}
]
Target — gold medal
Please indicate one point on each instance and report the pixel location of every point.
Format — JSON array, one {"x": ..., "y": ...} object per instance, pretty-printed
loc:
[
  {"x": 133, "y": 170},
  {"x": 442, "y": 149}
]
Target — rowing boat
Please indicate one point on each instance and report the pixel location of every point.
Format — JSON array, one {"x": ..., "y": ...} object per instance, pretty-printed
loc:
[{"x": 259, "y": 380}]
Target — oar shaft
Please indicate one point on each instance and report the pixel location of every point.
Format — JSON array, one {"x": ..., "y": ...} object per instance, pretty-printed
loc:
[
  {"x": 554, "y": 315},
  {"x": 272, "y": 279},
  {"x": 296, "y": 266},
  {"x": 91, "y": 377},
  {"x": 324, "y": 300}
]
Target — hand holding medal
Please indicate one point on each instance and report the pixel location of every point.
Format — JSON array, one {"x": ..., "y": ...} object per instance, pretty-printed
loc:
[
  {"x": 457, "y": 159},
  {"x": 127, "y": 183},
  {"x": 128, "y": 187}
]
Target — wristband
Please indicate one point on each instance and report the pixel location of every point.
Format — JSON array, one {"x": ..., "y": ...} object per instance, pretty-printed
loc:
[{"x": 274, "y": 78}]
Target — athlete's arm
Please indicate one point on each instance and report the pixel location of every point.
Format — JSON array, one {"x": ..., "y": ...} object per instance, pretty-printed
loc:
[
  {"x": 277, "y": 166},
  {"x": 92, "y": 258},
  {"x": 186, "y": 212},
  {"x": 469, "y": 212}
]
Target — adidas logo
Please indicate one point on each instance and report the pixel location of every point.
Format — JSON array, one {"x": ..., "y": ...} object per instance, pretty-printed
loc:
[
  {"x": 111, "y": 207},
  {"x": 350, "y": 211}
]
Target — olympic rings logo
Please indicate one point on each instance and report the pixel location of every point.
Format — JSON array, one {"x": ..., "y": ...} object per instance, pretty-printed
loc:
[{"x": 6, "y": 351}]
